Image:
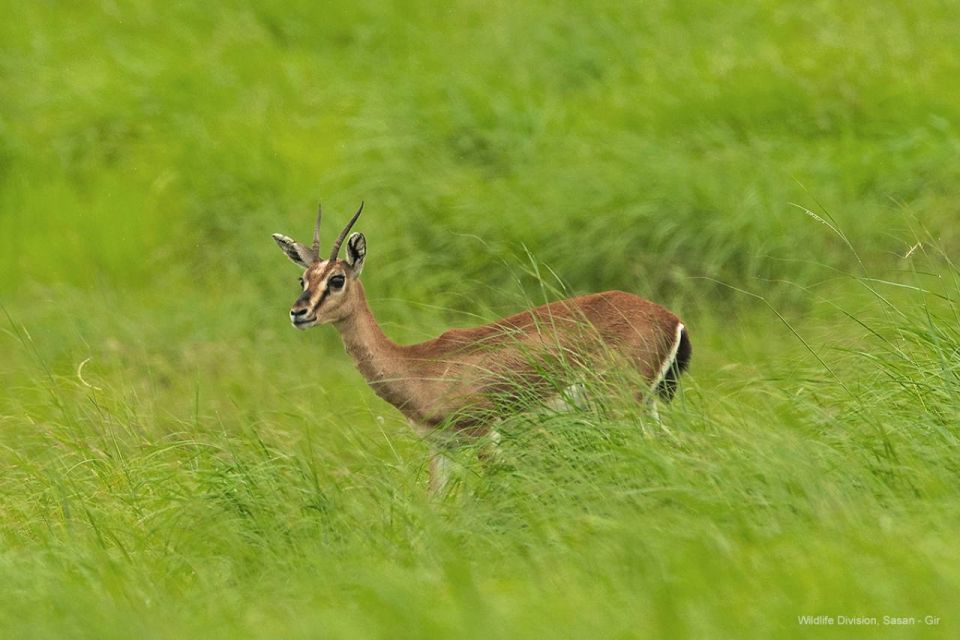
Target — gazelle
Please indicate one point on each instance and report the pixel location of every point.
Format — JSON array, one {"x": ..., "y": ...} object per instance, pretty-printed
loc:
[{"x": 459, "y": 383}]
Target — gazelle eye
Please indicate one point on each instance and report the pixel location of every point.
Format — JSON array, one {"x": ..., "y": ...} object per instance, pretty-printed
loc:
[
  {"x": 336, "y": 282},
  {"x": 301, "y": 282}
]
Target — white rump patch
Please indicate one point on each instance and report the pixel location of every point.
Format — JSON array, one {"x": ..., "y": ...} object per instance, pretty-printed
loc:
[{"x": 668, "y": 362}]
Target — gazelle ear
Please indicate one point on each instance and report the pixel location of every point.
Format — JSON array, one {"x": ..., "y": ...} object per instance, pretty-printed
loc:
[
  {"x": 356, "y": 252},
  {"x": 300, "y": 254}
]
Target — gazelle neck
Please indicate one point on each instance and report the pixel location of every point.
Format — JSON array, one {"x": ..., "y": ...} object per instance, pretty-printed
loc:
[{"x": 375, "y": 355}]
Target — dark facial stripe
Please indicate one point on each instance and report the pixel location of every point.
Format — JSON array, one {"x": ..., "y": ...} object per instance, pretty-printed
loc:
[{"x": 326, "y": 292}]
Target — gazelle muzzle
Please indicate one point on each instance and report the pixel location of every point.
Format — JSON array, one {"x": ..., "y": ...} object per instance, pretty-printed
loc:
[{"x": 300, "y": 314}]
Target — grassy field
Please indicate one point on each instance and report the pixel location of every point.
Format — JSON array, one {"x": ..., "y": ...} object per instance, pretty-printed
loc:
[{"x": 179, "y": 462}]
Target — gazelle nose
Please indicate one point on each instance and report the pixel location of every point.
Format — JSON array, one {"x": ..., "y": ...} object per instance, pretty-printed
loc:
[{"x": 296, "y": 313}]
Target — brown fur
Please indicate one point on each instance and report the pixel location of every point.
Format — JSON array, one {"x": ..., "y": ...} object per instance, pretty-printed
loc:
[{"x": 466, "y": 376}]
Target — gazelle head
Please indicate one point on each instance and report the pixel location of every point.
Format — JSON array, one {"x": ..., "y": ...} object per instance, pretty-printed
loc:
[{"x": 329, "y": 286}]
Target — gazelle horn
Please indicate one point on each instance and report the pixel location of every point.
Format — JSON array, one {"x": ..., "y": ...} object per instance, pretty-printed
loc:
[
  {"x": 343, "y": 234},
  {"x": 315, "y": 247}
]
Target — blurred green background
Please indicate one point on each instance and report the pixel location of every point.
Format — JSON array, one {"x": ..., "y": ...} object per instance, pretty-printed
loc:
[{"x": 178, "y": 461}]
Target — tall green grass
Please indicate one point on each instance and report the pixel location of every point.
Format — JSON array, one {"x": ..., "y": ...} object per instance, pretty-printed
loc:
[
  {"x": 817, "y": 479},
  {"x": 178, "y": 462},
  {"x": 670, "y": 138}
]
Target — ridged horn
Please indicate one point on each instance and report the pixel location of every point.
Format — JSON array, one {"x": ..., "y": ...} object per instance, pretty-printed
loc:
[
  {"x": 315, "y": 247},
  {"x": 343, "y": 234}
]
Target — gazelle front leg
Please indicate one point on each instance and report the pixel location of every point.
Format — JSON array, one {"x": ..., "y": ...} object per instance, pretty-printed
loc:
[{"x": 441, "y": 466}]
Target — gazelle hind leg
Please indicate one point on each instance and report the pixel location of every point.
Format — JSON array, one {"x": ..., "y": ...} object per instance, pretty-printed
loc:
[
  {"x": 571, "y": 398},
  {"x": 653, "y": 410},
  {"x": 652, "y": 406},
  {"x": 489, "y": 451},
  {"x": 440, "y": 470},
  {"x": 650, "y": 419}
]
